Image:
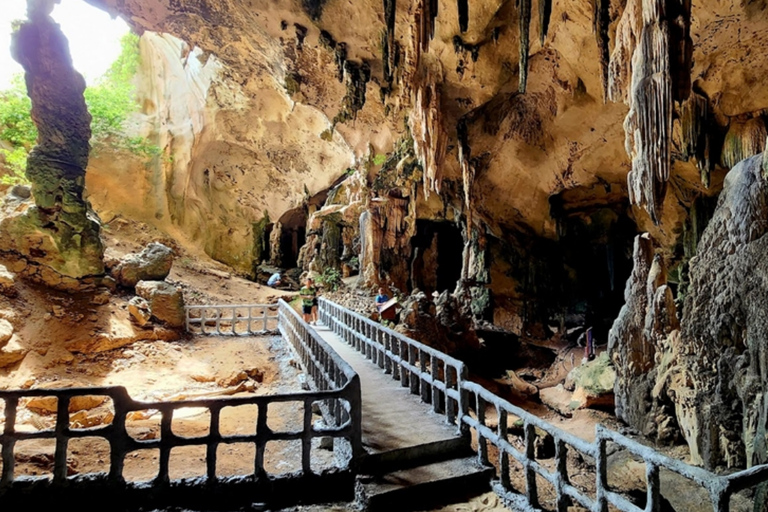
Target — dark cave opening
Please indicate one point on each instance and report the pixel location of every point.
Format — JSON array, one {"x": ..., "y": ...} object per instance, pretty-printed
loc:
[
  {"x": 437, "y": 256},
  {"x": 596, "y": 247},
  {"x": 293, "y": 235}
]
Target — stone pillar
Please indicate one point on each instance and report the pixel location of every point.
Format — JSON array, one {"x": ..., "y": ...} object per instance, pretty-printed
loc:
[{"x": 58, "y": 231}]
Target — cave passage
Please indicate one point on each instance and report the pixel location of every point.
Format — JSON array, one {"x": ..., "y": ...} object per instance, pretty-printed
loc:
[
  {"x": 437, "y": 256},
  {"x": 597, "y": 260},
  {"x": 293, "y": 236}
]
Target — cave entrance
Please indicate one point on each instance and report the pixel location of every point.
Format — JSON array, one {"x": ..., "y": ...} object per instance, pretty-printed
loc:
[
  {"x": 437, "y": 256},
  {"x": 596, "y": 248},
  {"x": 293, "y": 235}
]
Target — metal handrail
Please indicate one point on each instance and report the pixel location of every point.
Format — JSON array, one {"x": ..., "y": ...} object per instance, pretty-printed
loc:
[
  {"x": 375, "y": 342},
  {"x": 338, "y": 395}
]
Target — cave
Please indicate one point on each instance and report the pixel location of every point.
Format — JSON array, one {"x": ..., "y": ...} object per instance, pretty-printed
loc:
[
  {"x": 609, "y": 172},
  {"x": 437, "y": 256},
  {"x": 596, "y": 249},
  {"x": 293, "y": 235}
]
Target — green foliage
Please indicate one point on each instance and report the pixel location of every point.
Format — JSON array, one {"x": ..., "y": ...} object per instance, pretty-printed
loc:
[
  {"x": 379, "y": 159},
  {"x": 16, "y": 161},
  {"x": 110, "y": 101},
  {"x": 330, "y": 279},
  {"x": 16, "y": 126}
]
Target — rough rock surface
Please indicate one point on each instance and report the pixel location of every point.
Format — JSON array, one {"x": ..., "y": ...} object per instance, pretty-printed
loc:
[
  {"x": 7, "y": 280},
  {"x": 724, "y": 328},
  {"x": 59, "y": 231},
  {"x": 166, "y": 302},
  {"x": 635, "y": 341},
  {"x": 121, "y": 337},
  {"x": 11, "y": 352},
  {"x": 139, "y": 311},
  {"x": 6, "y": 331},
  {"x": 153, "y": 263}
]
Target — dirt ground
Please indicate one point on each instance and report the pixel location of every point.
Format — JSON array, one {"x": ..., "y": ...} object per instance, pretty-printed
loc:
[{"x": 154, "y": 364}]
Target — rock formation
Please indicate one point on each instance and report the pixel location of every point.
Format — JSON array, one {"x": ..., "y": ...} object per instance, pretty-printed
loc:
[
  {"x": 57, "y": 231},
  {"x": 408, "y": 137},
  {"x": 722, "y": 405}
]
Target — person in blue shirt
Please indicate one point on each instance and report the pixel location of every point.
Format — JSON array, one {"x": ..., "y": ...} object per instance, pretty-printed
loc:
[
  {"x": 274, "y": 280},
  {"x": 381, "y": 299}
]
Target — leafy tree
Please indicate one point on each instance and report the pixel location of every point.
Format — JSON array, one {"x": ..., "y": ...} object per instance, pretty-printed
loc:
[{"x": 111, "y": 101}]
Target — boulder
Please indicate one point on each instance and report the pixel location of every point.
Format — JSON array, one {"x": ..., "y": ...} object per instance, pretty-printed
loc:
[
  {"x": 151, "y": 264},
  {"x": 6, "y": 331},
  {"x": 12, "y": 352},
  {"x": 139, "y": 310},
  {"x": 593, "y": 383},
  {"x": 7, "y": 282},
  {"x": 166, "y": 303},
  {"x": 558, "y": 399}
]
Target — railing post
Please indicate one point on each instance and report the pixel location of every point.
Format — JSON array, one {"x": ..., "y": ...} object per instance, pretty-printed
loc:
[
  {"x": 462, "y": 378},
  {"x": 531, "y": 491},
  {"x": 601, "y": 472}
]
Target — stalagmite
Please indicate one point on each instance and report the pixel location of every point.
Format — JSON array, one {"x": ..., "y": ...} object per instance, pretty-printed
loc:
[
  {"x": 600, "y": 22},
  {"x": 694, "y": 114},
  {"x": 545, "y": 12},
  {"x": 524, "y": 8},
  {"x": 60, "y": 231},
  {"x": 429, "y": 136}
]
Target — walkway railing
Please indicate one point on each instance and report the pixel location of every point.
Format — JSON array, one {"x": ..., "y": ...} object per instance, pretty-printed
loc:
[
  {"x": 435, "y": 377},
  {"x": 232, "y": 320},
  {"x": 339, "y": 393}
]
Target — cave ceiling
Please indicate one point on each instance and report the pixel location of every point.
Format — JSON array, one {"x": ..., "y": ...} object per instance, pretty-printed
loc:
[{"x": 559, "y": 135}]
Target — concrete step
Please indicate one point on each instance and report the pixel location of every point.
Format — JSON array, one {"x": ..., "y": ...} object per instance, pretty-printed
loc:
[
  {"x": 412, "y": 456},
  {"x": 425, "y": 486}
]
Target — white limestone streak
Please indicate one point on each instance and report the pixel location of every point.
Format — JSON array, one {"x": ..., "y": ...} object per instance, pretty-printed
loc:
[{"x": 429, "y": 137}]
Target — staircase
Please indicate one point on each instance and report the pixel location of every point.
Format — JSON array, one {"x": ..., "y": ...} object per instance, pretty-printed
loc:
[{"x": 421, "y": 476}]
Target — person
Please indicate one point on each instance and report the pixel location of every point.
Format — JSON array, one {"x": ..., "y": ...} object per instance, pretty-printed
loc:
[
  {"x": 381, "y": 299},
  {"x": 274, "y": 280},
  {"x": 308, "y": 296}
]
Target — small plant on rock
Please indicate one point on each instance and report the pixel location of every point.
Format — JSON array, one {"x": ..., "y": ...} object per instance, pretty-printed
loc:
[{"x": 330, "y": 279}]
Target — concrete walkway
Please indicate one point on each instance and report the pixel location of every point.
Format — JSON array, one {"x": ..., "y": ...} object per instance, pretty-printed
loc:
[{"x": 393, "y": 418}]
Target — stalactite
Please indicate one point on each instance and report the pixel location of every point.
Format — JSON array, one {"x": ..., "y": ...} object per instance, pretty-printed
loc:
[
  {"x": 600, "y": 22},
  {"x": 648, "y": 125},
  {"x": 545, "y": 12},
  {"x": 356, "y": 78},
  {"x": 743, "y": 140},
  {"x": 340, "y": 55},
  {"x": 524, "y": 10},
  {"x": 426, "y": 124},
  {"x": 468, "y": 179},
  {"x": 426, "y": 12},
  {"x": 389, "y": 48},
  {"x": 694, "y": 114},
  {"x": 463, "y": 15}
]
